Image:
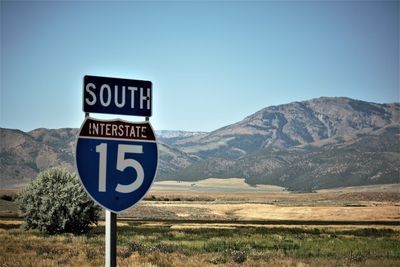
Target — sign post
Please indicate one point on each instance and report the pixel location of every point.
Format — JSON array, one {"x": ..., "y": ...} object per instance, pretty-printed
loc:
[
  {"x": 116, "y": 160},
  {"x": 111, "y": 239}
]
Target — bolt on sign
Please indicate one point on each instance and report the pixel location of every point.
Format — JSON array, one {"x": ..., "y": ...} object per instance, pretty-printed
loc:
[{"x": 116, "y": 159}]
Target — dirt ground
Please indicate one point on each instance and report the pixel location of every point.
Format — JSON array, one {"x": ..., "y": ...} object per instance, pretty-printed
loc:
[
  {"x": 232, "y": 199},
  {"x": 255, "y": 211},
  {"x": 367, "y": 203}
]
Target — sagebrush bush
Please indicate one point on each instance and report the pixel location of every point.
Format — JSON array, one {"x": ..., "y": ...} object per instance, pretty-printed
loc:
[{"x": 55, "y": 202}]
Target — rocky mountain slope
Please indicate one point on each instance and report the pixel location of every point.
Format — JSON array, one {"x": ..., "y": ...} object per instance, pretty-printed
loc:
[
  {"x": 171, "y": 137},
  {"x": 371, "y": 158},
  {"x": 293, "y": 124},
  {"x": 320, "y": 143},
  {"x": 24, "y": 155}
]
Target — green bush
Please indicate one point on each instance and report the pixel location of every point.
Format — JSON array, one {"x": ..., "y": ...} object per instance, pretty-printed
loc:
[
  {"x": 238, "y": 256},
  {"x": 55, "y": 202}
]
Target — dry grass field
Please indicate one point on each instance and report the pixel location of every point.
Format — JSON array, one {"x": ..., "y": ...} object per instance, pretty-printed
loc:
[
  {"x": 166, "y": 244},
  {"x": 231, "y": 224},
  {"x": 232, "y": 199}
]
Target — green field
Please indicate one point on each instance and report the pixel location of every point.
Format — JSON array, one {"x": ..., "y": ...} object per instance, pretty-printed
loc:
[{"x": 163, "y": 244}]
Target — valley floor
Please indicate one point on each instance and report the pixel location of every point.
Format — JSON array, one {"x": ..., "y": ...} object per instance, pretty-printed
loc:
[
  {"x": 267, "y": 203},
  {"x": 193, "y": 226},
  {"x": 165, "y": 244}
]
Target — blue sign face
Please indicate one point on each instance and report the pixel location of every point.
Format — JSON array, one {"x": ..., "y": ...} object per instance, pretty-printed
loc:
[
  {"x": 117, "y": 96},
  {"x": 116, "y": 161}
]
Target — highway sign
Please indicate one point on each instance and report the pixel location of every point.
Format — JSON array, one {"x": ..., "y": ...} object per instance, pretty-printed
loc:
[
  {"x": 117, "y": 96},
  {"x": 116, "y": 161}
]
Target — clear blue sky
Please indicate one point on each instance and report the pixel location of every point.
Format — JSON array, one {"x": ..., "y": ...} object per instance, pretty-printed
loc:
[{"x": 211, "y": 63}]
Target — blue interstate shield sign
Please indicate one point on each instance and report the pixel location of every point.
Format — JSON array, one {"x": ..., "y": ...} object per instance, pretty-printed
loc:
[{"x": 116, "y": 161}]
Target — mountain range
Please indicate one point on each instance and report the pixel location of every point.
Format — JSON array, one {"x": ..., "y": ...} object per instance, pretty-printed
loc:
[{"x": 303, "y": 146}]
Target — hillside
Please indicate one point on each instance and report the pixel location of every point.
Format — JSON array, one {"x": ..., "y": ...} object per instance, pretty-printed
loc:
[
  {"x": 303, "y": 146},
  {"x": 293, "y": 124},
  {"x": 24, "y": 155},
  {"x": 367, "y": 159},
  {"x": 172, "y": 137}
]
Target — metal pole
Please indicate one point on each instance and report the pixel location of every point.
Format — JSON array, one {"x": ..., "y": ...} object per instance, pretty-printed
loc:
[{"x": 111, "y": 239}]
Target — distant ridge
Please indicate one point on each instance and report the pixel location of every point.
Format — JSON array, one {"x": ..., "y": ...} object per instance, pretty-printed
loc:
[
  {"x": 294, "y": 124},
  {"x": 320, "y": 143},
  {"x": 171, "y": 136}
]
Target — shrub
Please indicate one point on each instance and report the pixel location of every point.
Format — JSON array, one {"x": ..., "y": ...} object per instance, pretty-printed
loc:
[
  {"x": 136, "y": 246},
  {"x": 238, "y": 256},
  {"x": 55, "y": 202}
]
